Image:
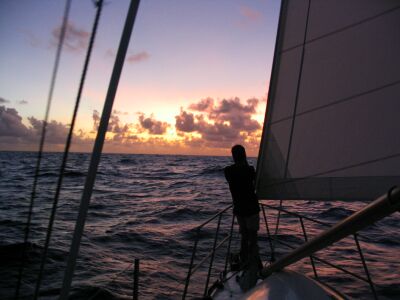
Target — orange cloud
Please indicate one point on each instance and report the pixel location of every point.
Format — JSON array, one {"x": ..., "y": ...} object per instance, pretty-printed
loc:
[{"x": 206, "y": 127}]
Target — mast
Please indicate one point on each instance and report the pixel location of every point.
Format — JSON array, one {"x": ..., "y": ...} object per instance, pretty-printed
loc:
[{"x": 98, "y": 146}]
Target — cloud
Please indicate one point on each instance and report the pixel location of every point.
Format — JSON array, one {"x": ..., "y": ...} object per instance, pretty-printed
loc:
[
  {"x": 11, "y": 123},
  {"x": 219, "y": 123},
  {"x": 185, "y": 122},
  {"x": 56, "y": 132},
  {"x": 96, "y": 120},
  {"x": 22, "y": 102},
  {"x": 132, "y": 58},
  {"x": 119, "y": 112},
  {"x": 76, "y": 39},
  {"x": 152, "y": 126},
  {"x": 2, "y": 100},
  {"x": 31, "y": 38},
  {"x": 138, "y": 57},
  {"x": 250, "y": 14},
  {"x": 15, "y": 131},
  {"x": 109, "y": 53},
  {"x": 114, "y": 124},
  {"x": 202, "y": 105}
]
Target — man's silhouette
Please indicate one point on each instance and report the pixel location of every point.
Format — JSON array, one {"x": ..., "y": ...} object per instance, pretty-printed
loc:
[{"x": 240, "y": 177}]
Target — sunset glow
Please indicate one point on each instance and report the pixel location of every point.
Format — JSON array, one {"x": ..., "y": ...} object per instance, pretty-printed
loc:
[{"x": 195, "y": 78}]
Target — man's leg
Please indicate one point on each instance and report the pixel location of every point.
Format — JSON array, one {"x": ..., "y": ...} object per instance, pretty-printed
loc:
[
  {"x": 253, "y": 227},
  {"x": 244, "y": 240}
]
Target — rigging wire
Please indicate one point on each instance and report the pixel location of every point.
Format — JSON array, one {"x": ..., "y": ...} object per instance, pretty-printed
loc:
[
  {"x": 42, "y": 139},
  {"x": 99, "y": 5},
  {"x": 97, "y": 149},
  {"x": 115, "y": 277},
  {"x": 341, "y": 29}
]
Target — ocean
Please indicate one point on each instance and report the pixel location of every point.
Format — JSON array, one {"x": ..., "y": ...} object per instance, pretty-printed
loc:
[{"x": 146, "y": 207}]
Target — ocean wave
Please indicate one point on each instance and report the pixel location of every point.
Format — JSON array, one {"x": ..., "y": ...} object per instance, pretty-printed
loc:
[
  {"x": 128, "y": 161},
  {"x": 193, "y": 233},
  {"x": 214, "y": 170},
  {"x": 149, "y": 207},
  {"x": 180, "y": 184},
  {"x": 336, "y": 213},
  {"x": 182, "y": 213},
  {"x": 11, "y": 222},
  {"x": 72, "y": 173},
  {"x": 48, "y": 174}
]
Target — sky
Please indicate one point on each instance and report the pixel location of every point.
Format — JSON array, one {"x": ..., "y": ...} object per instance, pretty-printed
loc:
[{"x": 195, "y": 79}]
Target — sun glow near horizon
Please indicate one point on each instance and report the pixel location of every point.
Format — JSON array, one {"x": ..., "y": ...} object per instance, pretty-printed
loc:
[{"x": 187, "y": 87}]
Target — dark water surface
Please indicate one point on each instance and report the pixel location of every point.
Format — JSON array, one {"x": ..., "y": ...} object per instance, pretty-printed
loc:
[{"x": 146, "y": 206}]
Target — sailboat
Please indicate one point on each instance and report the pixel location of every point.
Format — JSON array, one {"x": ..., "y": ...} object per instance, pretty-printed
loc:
[
  {"x": 330, "y": 131},
  {"x": 329, "y": 134}
]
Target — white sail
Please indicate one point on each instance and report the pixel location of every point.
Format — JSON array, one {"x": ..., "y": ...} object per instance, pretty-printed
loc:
[{"x": 333, "y": 115}]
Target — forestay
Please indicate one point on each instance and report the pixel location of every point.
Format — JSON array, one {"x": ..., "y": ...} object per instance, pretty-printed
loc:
[{"x": 332, "y": 123}]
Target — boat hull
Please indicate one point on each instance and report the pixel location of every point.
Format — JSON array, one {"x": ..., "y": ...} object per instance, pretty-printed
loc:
[{"x": 288, "y": 285}]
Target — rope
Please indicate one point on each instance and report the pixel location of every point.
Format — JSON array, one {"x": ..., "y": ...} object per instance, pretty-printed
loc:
[
  {"x": 297, "y": 91},
  {"x": 335, "y": 170},
  {"x": 340, "y": 101},
  {"x": 42, "y": 139},
  {"x": 99, "y": 5}
]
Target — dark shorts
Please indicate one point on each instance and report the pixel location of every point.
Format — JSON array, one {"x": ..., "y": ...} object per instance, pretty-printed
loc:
[{"x": 250, "y": 223}]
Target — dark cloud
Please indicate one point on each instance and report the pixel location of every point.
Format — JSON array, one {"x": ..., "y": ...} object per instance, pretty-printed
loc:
[
  {"x": 2, "y": 100},
  {"x": 11, "y": 123},
  {"x": 11, "y": 126},
  {"x": 76, "y": 39},
  {"x": 96, "y": 120},
  {"x": 116, "y": 127},
  {"x": 114, "y": 124},
  {"x": 152, "y": 126},
  {"x": 138, "y": 57},
  {"x": 218, "y": 132},
  {"x": 22, "y": 102},
  {"x": 56, "y": 132},
  {"x": 185, "y": 122},
  {"x": 219, "y": 123},
  {"x": 203, "y": 105}
]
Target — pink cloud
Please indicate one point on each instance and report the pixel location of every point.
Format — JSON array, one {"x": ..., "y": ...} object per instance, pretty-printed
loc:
[
  {"x": 138, "y": 57},
  {"x": 250, "y": 14},
  {"x": 75, "y": 38}
]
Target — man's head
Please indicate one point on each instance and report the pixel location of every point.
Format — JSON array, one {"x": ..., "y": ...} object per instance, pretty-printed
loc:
[{"x": 239, "y": 154}]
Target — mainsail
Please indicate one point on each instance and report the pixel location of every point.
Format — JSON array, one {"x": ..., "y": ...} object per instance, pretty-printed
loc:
[{"x": 332, "y": 122}]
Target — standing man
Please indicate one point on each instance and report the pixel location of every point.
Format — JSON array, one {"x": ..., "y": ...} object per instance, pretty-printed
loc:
[{"x": 241, "y": 177}]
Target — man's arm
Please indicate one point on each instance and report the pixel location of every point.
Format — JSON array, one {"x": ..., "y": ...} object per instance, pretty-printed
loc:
[{"x": 227, "y": 174}]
